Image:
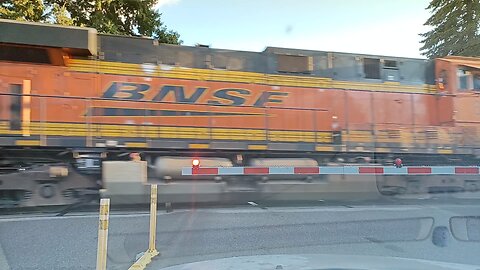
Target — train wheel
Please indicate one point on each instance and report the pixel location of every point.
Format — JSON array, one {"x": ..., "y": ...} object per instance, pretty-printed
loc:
[{"x": 48, "y": 191}]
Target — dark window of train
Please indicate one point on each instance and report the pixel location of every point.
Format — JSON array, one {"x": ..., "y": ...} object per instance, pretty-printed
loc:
[
  {"x": 444, "y": 77},
  {"x": 476, "y": 82},
  {"x": 463, "y": 77},
  {"x": 371, "y": 68},
  {"x": 16, "y": 107},
  {"x": 391, "y": 64},
  {"x": 24, "y": 54},
  {"x": 294, "y": 64}
]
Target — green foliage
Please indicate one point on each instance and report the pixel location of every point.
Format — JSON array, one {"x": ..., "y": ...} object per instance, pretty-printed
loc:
[
  {"x": 120, "y": 17},
  {"x": 455, "y": 28},
  {"x": 22, "y": 10},
  {"x": 61, "y": 15}
]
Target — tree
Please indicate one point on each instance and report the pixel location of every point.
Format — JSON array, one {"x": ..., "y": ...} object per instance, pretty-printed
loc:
[
  {"x": 455, "y": 29},
  {"x": 22, "y": 10},
  {"x": 120, "y": 17},
  {"x": 60, "y": 15}
]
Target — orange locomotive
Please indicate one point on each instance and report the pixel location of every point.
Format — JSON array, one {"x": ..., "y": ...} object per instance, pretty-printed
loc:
[{"x": 93, "y": 95}]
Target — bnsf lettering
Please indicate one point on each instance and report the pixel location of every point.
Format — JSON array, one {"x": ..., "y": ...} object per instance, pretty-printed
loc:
[
  {"x": 229, "y": 96},
  {"x": 133, "y": 91},
  {"x": 179, "y": 94},
  {"x": 266, "y": 97},
  {"x": 226, "y": 95}
]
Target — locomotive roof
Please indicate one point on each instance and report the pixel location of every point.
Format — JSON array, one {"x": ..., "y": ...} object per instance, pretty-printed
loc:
[
  {"x": 86, "y": 43},
  {"x": 473, "y": 62},
  {"x": 80, "y": 41},
  {"x": 273, "y": 60}
]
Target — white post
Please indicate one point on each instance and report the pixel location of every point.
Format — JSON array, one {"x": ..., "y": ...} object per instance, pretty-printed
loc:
[{"x": 103, "y": 234}]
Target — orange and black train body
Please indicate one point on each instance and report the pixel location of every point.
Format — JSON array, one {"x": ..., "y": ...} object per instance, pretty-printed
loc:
[{"x": 88, "y": 90}]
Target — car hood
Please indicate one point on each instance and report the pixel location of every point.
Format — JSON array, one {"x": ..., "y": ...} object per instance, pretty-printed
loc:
[{"x": 320, "y": 262}]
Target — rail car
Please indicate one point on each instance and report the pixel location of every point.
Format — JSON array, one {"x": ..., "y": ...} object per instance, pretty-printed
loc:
[{"x": 71, "y": 99}]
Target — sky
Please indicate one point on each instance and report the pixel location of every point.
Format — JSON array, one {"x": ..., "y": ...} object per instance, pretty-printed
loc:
[{"x": 382, "y": 27}]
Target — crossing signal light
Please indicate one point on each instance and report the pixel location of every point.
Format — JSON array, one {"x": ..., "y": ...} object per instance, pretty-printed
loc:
[
  {"x": 398, "y": 163},
  {"x": 196, "y": 163}
]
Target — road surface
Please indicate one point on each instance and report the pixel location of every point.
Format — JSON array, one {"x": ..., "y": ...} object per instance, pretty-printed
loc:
[{"x": 69, "y": 242}]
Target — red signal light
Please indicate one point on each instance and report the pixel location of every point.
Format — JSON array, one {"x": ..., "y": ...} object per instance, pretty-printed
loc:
[
  {"x": 195, "y": 162},
  {"x": 398, "y": 163}
]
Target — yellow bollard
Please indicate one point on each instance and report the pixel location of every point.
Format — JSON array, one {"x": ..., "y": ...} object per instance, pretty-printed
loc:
[
  {"x": 103, "y": 234},
  {"x": 153, "y": 220},
  {"x": 151, "y": 252}
]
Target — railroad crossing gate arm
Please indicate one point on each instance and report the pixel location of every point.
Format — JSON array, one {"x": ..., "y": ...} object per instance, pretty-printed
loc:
[{"x": 334, "y": 170}]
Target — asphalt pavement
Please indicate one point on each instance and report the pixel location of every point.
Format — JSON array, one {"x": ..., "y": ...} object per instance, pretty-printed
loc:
[{"x": 188, "y": 235}]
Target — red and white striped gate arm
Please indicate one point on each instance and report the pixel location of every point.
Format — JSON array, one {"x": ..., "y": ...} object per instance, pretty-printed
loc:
[{"x": 350, "y": 170}]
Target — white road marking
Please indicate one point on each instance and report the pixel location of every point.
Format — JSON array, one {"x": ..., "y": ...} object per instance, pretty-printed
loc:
[
  {"x": 355, "y": 208},
  {"x": 67, "y": 217},
  {"x": 88, "y": 215}
]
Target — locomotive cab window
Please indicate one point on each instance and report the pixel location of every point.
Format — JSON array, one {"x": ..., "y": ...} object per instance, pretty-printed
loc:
[
  {"x": 465, "y": 79},
  {"x": 442, "y": 80},
  {"x": 476, "y": 82}
]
